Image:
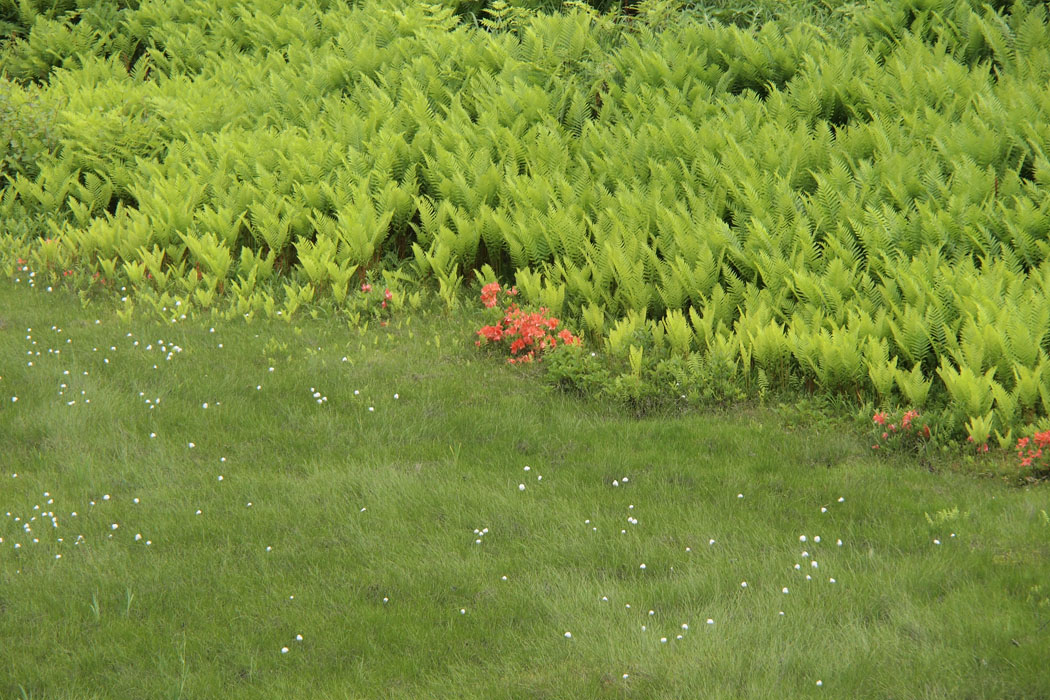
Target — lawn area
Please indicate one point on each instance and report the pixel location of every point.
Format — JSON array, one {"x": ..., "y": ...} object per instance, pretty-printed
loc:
[{"x": 177, "y": 508}]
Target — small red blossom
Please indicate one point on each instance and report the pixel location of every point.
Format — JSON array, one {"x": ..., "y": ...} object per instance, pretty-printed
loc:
[
  {"x": 907, "y": 418},
  {"x": 489, "y": 293},
  {"x": 366, "y": 287},
  {"x": 387, "y": 294},
  {"x": 879, "y": 418}
]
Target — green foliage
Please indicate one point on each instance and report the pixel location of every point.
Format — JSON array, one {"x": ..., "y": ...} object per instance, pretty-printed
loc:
[
  {"x": 27, "y": 132},
  {"x": 851, "y": 203}
]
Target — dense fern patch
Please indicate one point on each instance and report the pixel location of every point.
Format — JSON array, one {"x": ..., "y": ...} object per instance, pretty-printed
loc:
[{"x": 861, "y": 210}]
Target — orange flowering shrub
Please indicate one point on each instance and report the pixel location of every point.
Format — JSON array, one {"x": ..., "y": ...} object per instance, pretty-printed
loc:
[
  {"x": 905, "y": 432},
  {"x": 525, "y": 333},
  {"x": 1034, "y": 451}
]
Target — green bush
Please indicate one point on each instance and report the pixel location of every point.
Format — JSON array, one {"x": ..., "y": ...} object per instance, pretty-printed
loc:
[{"x": 27, "y": 130}]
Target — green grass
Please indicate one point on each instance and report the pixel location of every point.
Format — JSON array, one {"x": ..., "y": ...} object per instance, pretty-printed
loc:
[{"x": 371, "y": 516}]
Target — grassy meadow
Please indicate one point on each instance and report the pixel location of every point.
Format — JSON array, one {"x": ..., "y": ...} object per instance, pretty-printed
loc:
[
  {"x": 248, "y": 448},
  {"x": 177, "y": 508}
]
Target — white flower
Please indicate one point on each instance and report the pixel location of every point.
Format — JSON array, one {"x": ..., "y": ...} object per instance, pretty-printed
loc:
[
  {"x": 642, "y": 566},
  {"x": 138, "y": 537},
  {"x": 663, "y": 640},
  {"x": 284, "y": 650},
  {"x": 740, "y": 495},
  {"x": 521, "y": 487},
  {"x": 298, "y": 637},
  {"x": 743, "y": 584},
  {"x": 838, "y": 542},
  {"x": 685, "y": 626},
  {"x": 784, "y": 590},
  {"x": 831, "y": 580},
  {"x": 710, "y": 621},
  {"x": 817, "y": 538},
  {"x": 820, "y": 683},
  {"x": 801, "y": 538},
  {"x": 568, "y": 635}
]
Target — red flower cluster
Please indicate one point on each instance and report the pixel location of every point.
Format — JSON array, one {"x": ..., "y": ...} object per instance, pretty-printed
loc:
[
  {"x": 490, "y": 293},
  {"x": 908, "y": 431},
  {"x": 528, "y": 333},
  {"x": 1030, "y": 455},
  {"x": 366, "y": 288}
]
